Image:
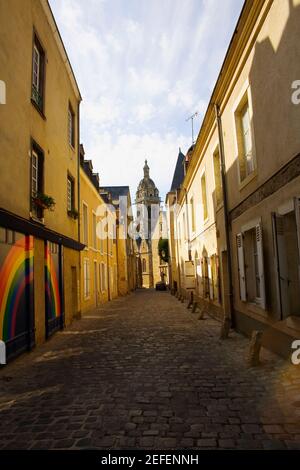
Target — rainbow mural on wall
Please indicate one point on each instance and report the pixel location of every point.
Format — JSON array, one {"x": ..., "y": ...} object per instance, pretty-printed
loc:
[
  {"x": 53, "y": 301},
  {"x": 16, "y": 276}
]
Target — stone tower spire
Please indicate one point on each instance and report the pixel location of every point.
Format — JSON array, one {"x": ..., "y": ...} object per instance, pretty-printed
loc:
[{"x": 146, "y": 170}]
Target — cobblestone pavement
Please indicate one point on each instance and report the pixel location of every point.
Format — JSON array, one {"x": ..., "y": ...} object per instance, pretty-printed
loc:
[{"x": 144, "y": 372}]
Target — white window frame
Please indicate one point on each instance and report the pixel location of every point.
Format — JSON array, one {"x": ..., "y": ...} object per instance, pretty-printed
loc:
[
  {"x": 71, "y": 126},
  {"x": 203, "y": 174},
  {"x": 36, "y": 62},
  {"x": 216, "y": 151},
  {"x": 85, "y": 224},
  {"x": 244, "y": 95},
  {"x": 34, "y": 169},
  {"x": 94, "y": 230},
  {"x": 86, "y": 278},
  {"x": 70, "y": 195},
  {"x": 257, "y": 225},
  {"x": 193, "y": 218},
  {"x": 103, "y": 277}
]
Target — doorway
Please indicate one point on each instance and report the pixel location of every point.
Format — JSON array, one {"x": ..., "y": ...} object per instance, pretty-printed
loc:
[
  {"x": 96, "y": 283},
  {"x": 74, "y": 292}
]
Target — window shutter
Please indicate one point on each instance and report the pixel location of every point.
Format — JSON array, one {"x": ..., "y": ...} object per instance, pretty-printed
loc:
[
  {"x": 210, "y": 279},
  {"x": 261, "y": 271},
  {"x": 241, "y": 266}
]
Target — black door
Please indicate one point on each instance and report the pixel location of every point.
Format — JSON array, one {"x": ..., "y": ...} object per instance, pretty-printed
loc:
[{"x": 53, "y": 288}]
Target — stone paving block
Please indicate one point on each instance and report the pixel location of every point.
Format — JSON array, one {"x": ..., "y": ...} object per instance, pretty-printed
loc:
[{"x": 153, "y": 380}]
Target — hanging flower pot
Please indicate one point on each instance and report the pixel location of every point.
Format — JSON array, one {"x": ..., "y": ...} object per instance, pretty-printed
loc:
[{"x": 44, "y": 201}]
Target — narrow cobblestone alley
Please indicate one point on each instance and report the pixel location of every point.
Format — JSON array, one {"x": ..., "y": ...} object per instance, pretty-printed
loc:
[{"x": 144, "y": 372}]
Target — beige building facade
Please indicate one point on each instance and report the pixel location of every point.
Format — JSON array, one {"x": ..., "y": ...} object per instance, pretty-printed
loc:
[{"x": 242, "y": 179}]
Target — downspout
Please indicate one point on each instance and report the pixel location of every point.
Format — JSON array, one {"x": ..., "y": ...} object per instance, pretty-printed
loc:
[
  {"x": 78, "y": 205},
  {"x": 107, "y": 257},
  {"x": 188, "y": 225},
  {"x": 78, "y": 169},
  {"x": 177, "y": 246},
  {"x": 228, "y": 315},
  {"x": 117, "y": 247}
]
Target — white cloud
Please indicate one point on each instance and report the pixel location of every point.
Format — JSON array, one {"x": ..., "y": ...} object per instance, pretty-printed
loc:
[
  {"x": 124, "y": 154},
  {"x": 144, "y": 112},
  {"x": 143, "y": 67}
]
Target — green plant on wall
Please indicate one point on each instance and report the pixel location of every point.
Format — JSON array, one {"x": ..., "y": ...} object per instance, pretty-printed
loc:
[
  {"x": 163, "y": 249},
  {"x": 44, "y": 201}
]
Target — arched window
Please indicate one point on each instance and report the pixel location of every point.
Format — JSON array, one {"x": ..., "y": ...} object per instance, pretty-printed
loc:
[{"x": 144, "y": 266}]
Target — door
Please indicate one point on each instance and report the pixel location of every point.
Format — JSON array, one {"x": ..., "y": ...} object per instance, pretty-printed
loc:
[
  {"x": 53, "y": 288},
  {"x": 74, "y": 292},
  {"x": 96, "y": 283},
  {"x": 16, "y": 292}
]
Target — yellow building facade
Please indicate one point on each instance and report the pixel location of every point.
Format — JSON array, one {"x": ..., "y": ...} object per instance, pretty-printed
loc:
[
  {"x": 39, "y": 135},
  {"x": 99, "y": 263},
  {"x": 120, "y": 200},
  {"x": 236, "y": 222}
]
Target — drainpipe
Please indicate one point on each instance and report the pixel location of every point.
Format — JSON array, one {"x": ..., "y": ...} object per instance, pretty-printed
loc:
[
  {"x": 78, "y": 207},
  {"x": 78, "y": 170},
  {"x": 227, "y": 314},
  {"x": 117, "y": 246},
  {"x": 177, "y": 246},
  {"x": 188, "y": 225},
  {"x": 107, "y": 257}
]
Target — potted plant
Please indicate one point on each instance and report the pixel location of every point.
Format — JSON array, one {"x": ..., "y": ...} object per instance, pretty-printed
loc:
[
  {"x": 44, "y": 201},
  {"x": 73, "y": 213}
]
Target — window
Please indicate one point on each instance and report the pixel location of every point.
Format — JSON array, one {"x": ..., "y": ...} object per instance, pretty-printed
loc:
[
  {"x": 94, "y": 231},
  {"x": 70, "y": 193},
  {"x": 7, "y": 236},
  {"x": 38, "y": 74},
  {"x": 218, "y": 177},
  {"x": 103, "y": 277},
  {"x": 244, "y": 139},
  {"x": 2, "y": 235},
  {"x": 86, "y": 278},
  {"x": 37, "y": 183},
  {"x": 71, "y": 126},
  {"x": 85, "y": 223},
  {"x": 192, "y": 214},
  {"x": 204, "y": 197},
  {"x": 184, "y": 226},
  {"x": 101, "y": 238},
  {"x": 144, "y": 265},
  {"x": 251, "y": 265}
]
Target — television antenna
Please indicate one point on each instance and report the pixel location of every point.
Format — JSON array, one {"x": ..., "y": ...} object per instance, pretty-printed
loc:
[{"x": 191, "y": 118}]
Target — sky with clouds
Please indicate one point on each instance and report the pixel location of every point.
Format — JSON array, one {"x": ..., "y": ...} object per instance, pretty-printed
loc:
[{"x": 143, "y": 67}]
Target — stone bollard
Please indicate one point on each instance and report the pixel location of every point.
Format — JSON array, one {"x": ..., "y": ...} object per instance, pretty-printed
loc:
[
  {"x": 225, "y": 328},
  {"x": 254, "y": 348},
  {"x": 201, "y": 315},
  {"x": 191, "y": 301}
]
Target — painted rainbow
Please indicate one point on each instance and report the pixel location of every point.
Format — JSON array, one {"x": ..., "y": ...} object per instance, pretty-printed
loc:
[{"x": 16, "y": 273}]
